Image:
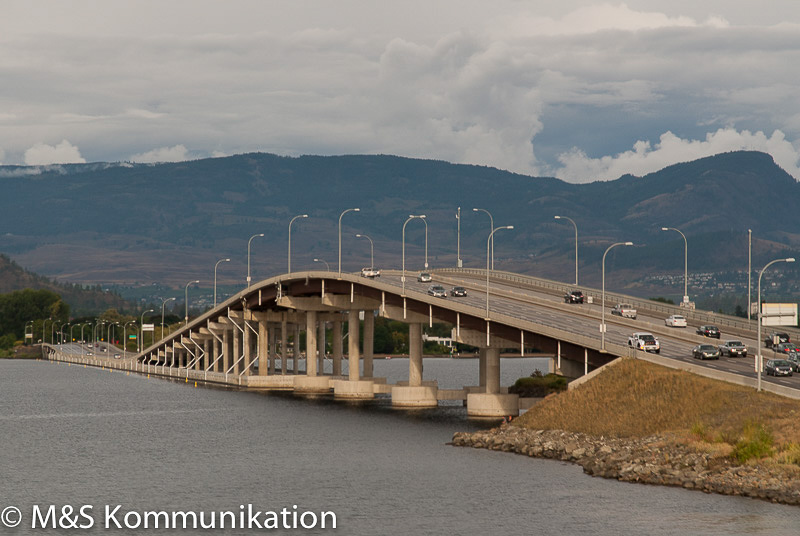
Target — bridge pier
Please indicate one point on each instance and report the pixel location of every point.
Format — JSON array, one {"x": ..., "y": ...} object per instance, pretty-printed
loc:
[
  {"x": 415, "y": 394},
  {"x": 338, "y": 347},
  {"x": 354, "y": 387},
  {"x": 311, "y": 382},
  {"x": 492, "y": 403}
]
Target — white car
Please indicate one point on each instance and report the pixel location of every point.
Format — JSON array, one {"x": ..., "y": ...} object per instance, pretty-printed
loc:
[
  {"x": 675, "y": 321},
  {"x": 644, "y": 341},
  {"x": 370, "y": 272},
  {"x": 424, "y": 277}
]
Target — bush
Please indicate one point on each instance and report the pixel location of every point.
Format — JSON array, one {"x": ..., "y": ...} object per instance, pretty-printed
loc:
[
  {"x": 538, "y": 385},
  {"x": 754, "y": 443}
]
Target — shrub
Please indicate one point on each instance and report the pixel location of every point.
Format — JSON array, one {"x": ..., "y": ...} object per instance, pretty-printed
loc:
[
  {"x": 790, "y": 453},
  {"x": 538, "y": 385},
  {"x": 754, "y": 443}
]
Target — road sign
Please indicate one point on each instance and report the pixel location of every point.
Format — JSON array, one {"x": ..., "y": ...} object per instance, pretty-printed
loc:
[
  {"x": 779, "y": 314},
  {"x": 132, "y": 337},
  {"x": 148, "y": 327}
]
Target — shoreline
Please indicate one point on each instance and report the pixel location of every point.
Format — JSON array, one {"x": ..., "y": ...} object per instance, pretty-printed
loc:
[{"x": 655, "y": 460}]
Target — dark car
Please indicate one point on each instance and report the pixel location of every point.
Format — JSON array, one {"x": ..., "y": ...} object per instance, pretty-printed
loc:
[
  {"x": 437, "y": 291},
  {"x": 575, "y": 296},
  {"x": 733, "y": 348},
  {"x": 779, "y": 335},
  {"x": 705, "y": 351},
  {"x": 785, "y": 348},
  {"x": 458, "y": 292},
  {"x": 708, "y": 331},
  {"x": 794, "y": 359},
  {"x": 778, "y": 367}
]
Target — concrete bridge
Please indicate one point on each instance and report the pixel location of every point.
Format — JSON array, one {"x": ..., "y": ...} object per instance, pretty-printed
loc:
[{"x": 245, "y": 340}]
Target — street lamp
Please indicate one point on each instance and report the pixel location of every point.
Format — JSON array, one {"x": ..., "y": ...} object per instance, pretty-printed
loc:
[
  {"x": 140, "y": 342},
  {"x": 760, "y": 362},
  {"x": 73, "y": 326},
  {"x": 289, "y": 256},
  {"x": 61, "y": 330},
  {"x": 458, "y": 238},
  {"x": 215, "y": 289},
  {"x": 685, "y": 264},
  {"x": 491, "y": 228},
  {"x": 576, "y": 243},
  {"x": 26, "y": 331},
  {"x": 749, "y": 270},
  {"x": 108, "y": 333},
  {"x": 488, "y": 257},
  {"x": 327, "y": 266},
  {"x": 371, "y": 250},
  {"x": 340, "y": 234},
  {"x": 163, "y": 304},
  {"x": 186, "y": 298},
  {"x": 426, "y": 242},
  {"x": 125, "y": 336},
  {"x": 44, "y": 323},
  {"x": 248, "y": 256},
  {"x": 410, "y": 217},
  {"x": 603, "y": 305}
]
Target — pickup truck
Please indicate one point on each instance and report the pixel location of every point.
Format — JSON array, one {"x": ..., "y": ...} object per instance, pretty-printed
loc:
[
  {"x": 624, "y": 309},
  {"x": 644, "y": 341}
]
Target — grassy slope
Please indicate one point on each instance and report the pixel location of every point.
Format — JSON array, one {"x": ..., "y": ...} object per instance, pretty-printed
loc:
[{"x": 638, "y": 399}]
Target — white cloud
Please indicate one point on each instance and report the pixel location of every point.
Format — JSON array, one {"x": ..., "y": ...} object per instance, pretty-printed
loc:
[
  {"x": 63, "y": 153},
  {"x": 178, "y": 153},
  {"x": 643, "y": 159}
]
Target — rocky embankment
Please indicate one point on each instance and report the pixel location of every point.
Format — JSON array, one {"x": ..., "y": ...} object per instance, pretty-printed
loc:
[{"x": 652, "y": 460}]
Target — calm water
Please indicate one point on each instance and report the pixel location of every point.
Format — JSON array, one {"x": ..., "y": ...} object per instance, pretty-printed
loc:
[{"x": 74, "y": 435}]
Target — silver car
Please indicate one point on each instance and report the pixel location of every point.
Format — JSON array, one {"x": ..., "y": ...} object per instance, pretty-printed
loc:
[
  {"x": 437, "y": 291},
  {"x": 733, "y": 348}
]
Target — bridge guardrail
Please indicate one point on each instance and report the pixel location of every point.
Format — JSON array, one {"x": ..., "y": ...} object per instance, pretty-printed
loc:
[{"x": 702, "y": 317}]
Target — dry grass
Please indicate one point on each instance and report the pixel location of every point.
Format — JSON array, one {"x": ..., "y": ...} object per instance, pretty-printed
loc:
[{"x": 639, "y": 399}]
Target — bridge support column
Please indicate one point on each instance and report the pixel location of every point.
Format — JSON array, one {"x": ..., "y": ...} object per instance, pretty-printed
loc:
[
  {"x": 311, "y": 382},
  {"x": 354, "y": 387},
  {"x": 284, "y": 347},
  {"x": 338, "y": 350},
  {"x": 415, "y": 394},
  {"x": 369, "y": 342},
  {"x": 321, "y": 349},
  {"x": 226, "y": 350},
  {"x": 236, "y": 354},
  {"x": 273, "y": 348},
  {"x": 263, "y": 348},
  {"x": 491, "y": 403},
  {"x": 296, "y": 350},
  {"x": 247, "y": 348},
  {"x": 482, "y": 368}
]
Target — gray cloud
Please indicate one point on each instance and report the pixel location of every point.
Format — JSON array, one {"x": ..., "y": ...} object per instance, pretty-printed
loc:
[{"x": 583, "y": 90}]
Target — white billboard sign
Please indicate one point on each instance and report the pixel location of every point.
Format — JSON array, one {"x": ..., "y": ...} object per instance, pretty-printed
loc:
[
  {"x": 148, "y": 327},
  {"x": 779, "y": 314}
]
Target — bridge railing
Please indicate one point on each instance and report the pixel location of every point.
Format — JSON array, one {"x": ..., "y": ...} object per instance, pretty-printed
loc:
[{"x": 701, "y": 317}]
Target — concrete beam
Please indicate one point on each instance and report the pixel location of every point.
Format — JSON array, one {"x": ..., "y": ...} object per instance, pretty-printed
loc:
[
  {"x": 341, "y": 302},
  {"x": 393, "y": 312},
  {"x": 309, "y": 303}
]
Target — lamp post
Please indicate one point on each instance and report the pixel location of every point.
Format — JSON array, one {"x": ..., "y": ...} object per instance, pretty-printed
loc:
[
  {"x": 410, "y": 217},
  {"x": 73, "y": 326},
  {"x": 125, "y": 336},
  {"x": 140, "y": 342},
  {"x": 97, "y": 328},
  {"x": 488, "y": 257},
  {"x": 603, "y": 305},
  {"x": 685, "y": 264},
  {"x": 215, "y": 289},
  {"x": 458, "y": 238},
  {"x": 327, "y": 266},
  {"x": 248, "y": 256},
  {"x": 340, "y": 234},
  {"x": 491, "y": 228},
  {"x": 760, "y": 362},
  {"x": 576, "y": 243},
  {"x": 163, "y": 304},
  {"x": 289, "y": 256},
  {"x": 61, "y": 331},
  {"x": 371, "y": 250},
  {"x": 26, "y": 331},
  {"x": 108, "y": 333},
  {"x": 749, "y": 269},
  {"x": 44, "y": 323},
  {"x": 426, "y": 242},
  {"x": 186, "y": 300}
]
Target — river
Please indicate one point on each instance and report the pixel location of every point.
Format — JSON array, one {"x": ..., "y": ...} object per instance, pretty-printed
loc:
[{"x": 76, "y": 436}]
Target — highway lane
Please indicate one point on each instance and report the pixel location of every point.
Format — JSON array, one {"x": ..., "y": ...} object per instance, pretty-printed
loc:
[{"x": 566, "y": 317}]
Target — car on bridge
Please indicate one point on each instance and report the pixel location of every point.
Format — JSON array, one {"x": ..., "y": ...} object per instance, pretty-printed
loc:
[
  {"x": 424, "y": 277},
  {"x": 708, "y": 331},
  {"x": 370, "y": 271},
  {"x": 675, "y": 321},
  {"x": 574, "y": 296},
  {"x": 705, "y": 351},
  {"x": 625, "y": 310},
  {"x": 733, "y": 348},
  {"x": 458, "y": 292},
  {"x": 437, "y": 291},
  {"x": 776, "y": 337},
  {"x": 778, "y": 367},
  {"x": 644, "y": 341}
]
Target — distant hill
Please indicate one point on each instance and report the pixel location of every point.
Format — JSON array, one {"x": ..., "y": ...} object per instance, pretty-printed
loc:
[
  {"x": 82, "y": 301},
  {"x": 171, "y": 222}
]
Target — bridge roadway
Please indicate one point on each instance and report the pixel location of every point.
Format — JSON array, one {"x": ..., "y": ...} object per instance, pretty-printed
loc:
[{"x": 223, "y": 345}]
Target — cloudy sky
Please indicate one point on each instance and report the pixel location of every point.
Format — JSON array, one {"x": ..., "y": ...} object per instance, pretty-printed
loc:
[{"x": 579, "y": 89}]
